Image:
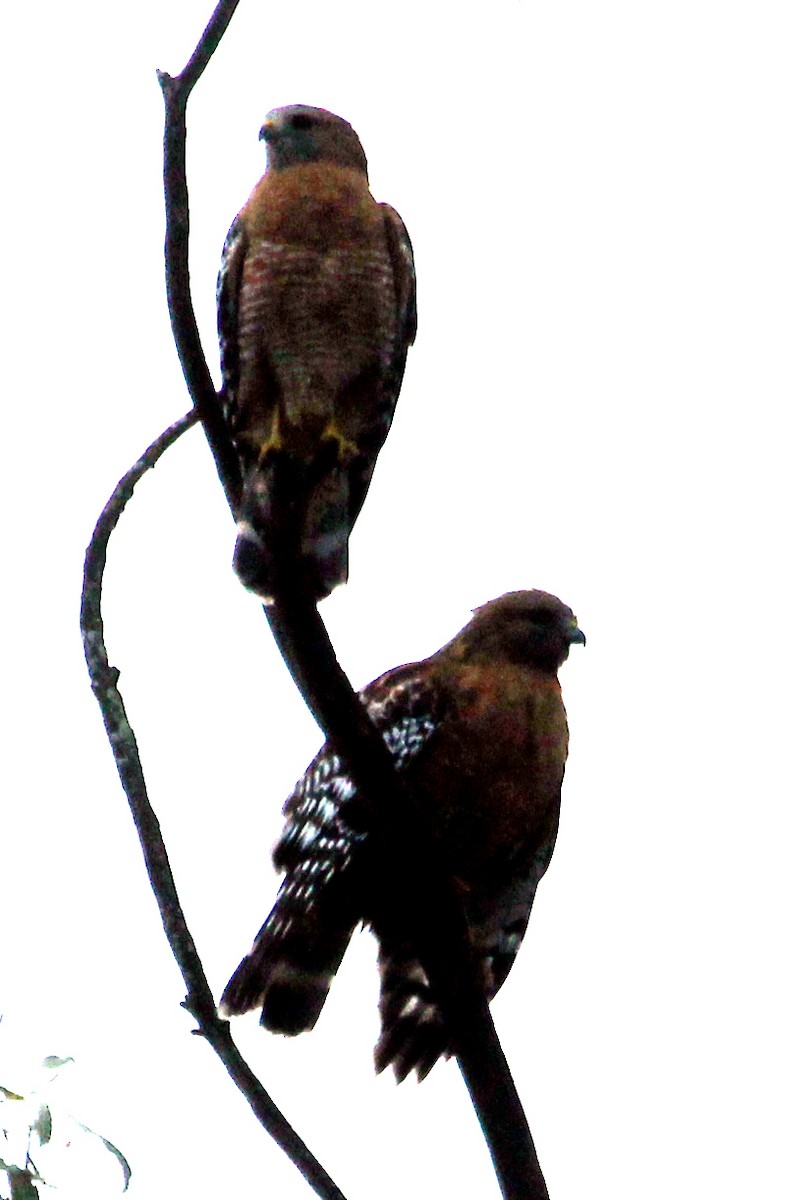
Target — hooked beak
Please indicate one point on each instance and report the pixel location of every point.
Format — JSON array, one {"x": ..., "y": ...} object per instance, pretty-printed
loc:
[{"x": 575, "y": 636}]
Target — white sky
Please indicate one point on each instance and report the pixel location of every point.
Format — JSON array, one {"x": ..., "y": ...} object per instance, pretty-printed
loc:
[{"x": 597, "y": 196}]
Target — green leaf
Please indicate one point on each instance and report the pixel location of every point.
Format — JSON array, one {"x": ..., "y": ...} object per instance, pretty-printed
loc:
[
  {"x": 22, "y": 1186},
  {"x": 10, "y": 1095},
  {"x": 42, "y": 1126},
  {"x": 124, "y": 1164},
  {"x": 52, "y": 1062}
]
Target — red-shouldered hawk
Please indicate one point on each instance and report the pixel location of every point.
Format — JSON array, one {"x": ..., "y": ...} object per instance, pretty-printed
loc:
[
  {"x": 317, "y": 309},
  {"x": 481, "y": 730}
]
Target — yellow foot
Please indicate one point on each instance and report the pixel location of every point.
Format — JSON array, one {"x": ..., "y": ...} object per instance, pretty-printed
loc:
[
  {"x": 346, "y": 450},
  {"x": 262, "y": 444}
]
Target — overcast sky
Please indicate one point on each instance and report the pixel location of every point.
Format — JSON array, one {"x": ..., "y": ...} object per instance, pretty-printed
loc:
[{"x": 597, "y": 197}]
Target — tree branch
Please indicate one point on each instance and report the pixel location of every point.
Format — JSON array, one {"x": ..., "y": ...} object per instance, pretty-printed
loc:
[
  {"x": 103, "y": 678},
  {"x": 176, "y": 91}
]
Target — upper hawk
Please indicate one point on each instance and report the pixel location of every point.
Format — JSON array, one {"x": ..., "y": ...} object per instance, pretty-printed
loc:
[{"x": 317, "y": 310}]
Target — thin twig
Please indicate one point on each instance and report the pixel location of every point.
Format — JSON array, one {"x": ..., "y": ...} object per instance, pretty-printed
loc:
[
  {"x": 176, "y": 91},
  {"x": 103, "y": 678}
]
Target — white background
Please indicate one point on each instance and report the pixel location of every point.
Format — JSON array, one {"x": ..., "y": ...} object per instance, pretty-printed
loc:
[{"x": 598, "y": 198}]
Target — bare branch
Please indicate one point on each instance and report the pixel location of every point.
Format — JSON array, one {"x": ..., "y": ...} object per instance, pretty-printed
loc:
[
  {"x": 103, "y": 677},
  {"x": 176, "y": 91}
]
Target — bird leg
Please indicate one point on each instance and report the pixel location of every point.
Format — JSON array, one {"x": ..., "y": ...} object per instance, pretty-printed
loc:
[
  {"x": 347, "y": 451},
  {"x": 274, "y": 440}
]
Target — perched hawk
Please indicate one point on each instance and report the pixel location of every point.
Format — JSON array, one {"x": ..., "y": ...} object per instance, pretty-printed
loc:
[
  {"x": 480, "y": 728},
  {"x": 317, "y": 309}
]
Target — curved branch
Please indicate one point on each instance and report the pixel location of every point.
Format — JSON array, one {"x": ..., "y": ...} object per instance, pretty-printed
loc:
[{"x": 103, "y": 678}]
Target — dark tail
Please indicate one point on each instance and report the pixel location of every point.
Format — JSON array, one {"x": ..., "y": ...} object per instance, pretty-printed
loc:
[
  {"x": 288, "y": 971},
  {"x": 293, "y": 526}
]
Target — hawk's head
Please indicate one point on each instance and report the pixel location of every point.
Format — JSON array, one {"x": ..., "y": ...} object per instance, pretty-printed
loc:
[{"x": 301, "y": 134}]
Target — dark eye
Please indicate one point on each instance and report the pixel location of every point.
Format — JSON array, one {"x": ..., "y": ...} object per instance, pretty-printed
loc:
[
  {"x": 541, "y": 616},
  {"x": 301, "y": 121}
]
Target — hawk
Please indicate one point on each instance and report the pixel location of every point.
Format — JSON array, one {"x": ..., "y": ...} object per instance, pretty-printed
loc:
[
  {"x": 316, "y": 311},
  {"x": 480, "y": 729}
]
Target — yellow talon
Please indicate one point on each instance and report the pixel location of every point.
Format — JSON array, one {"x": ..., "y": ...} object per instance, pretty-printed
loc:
[
  {"x": 255, "y": 436},
  {"x": 347, "y": 450},
  {"x": 274, "y": 438}
]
